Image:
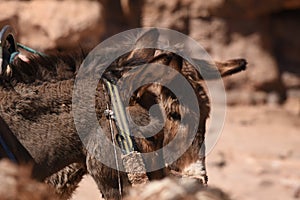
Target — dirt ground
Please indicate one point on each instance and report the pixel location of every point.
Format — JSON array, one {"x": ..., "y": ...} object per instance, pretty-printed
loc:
[{"x": 256, "y": 157}]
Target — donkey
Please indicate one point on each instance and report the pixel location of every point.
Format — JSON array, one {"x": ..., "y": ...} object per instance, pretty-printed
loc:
[{"x": 36, "y": 104}]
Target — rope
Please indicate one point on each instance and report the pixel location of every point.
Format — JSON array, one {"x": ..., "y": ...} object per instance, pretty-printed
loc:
[
  {"x": 124, "y": 138},
  {"x": 6, "y": 149},
  {"x": 131, "y": 159},
  {"x": 30, "y": 49},
  {"x": 110, "y": 114},
  {"x": 12, "y": 56}
]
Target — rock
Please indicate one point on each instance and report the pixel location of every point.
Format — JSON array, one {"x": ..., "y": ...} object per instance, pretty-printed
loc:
[
  {"x": 180, "y": 189},
  {"x": 262, "y": 68},
  {"x": 286, "y": 44},
  {"x": 9, "y": 13},
  {"x": 54, "y": 24},
  {"x": 273, "y": 99},
  {"x": 266, "y": 183},
  {"x": 248, "y": 9},
  {"x": 235, "y": 97},
  {"x": 291, "y": 80},
  {"x": 167, "y": 14},
  {"x": 231, "y": 29},
  {"x": 297, "y": 193},
  {"x": 220, "y": 160},
  {"x": 265, "y": 33},
  {"x": 242, "y": 9},
  {"x": 210, "y": 34},
  {"x": 204, "y": 9}
]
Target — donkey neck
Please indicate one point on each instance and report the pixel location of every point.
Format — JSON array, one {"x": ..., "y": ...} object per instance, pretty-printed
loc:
[{"x": 41, "y": 68}]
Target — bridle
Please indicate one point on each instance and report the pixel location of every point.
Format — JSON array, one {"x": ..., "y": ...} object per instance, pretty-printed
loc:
[{"x": 131, "y": 158}]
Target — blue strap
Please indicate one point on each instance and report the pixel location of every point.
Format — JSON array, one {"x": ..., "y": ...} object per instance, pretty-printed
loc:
[
  {"x": 6, "y": 149},
  {"x": 12, "y": 56},
  {"x": 29, "y": 49}
]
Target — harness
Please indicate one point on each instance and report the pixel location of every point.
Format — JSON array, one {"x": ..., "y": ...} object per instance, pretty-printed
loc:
[
  {"x": 8, "y": 50},
  {"x": 131, "y": 158},
  {"x": 116, "y": 114},
  {"x": 8, "y": 152}
]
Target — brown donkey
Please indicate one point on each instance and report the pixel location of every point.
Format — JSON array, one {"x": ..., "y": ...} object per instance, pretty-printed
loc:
[{"x": 36, "y": 104}]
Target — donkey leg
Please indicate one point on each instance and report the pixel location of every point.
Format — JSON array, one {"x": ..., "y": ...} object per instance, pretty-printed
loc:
[
  {"x": 197, "y": 171},
  {"x": 107, "y": 179},
  {"x": 197, "y": 168},
  {"x": 186, "y": 168},
  {"x": 191, "y": 164},
  {"x": 66, "y": 180}
]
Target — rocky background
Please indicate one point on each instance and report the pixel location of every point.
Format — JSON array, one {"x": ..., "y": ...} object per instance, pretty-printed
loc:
[
  {"x": 258, "y": 155},
  {"x": 266, "y": 33}
]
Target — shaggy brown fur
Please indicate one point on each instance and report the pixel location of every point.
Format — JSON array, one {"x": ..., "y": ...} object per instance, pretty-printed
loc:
[
  {"x": 64, "y": 181},
  {"x": 36, "y": 99},
  {"x": 21, "y": 155}
]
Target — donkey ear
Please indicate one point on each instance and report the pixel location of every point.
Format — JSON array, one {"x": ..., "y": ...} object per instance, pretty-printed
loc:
[
  {"x": 145, "y": 46},
  {"x": 216, "y": 70},
  {"x": 231, "y": 66},
  {"x": 148, "y": 38}
]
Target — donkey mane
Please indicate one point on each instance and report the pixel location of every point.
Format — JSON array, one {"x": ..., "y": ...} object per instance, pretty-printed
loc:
[{"x": 44, "y": 68}]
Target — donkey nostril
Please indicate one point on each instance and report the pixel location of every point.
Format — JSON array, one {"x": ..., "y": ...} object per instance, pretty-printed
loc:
[{"x": 243, "y": 63}]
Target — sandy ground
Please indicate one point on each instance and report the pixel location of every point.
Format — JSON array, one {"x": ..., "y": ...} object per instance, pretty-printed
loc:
[{"x": 256, "y": 157}]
